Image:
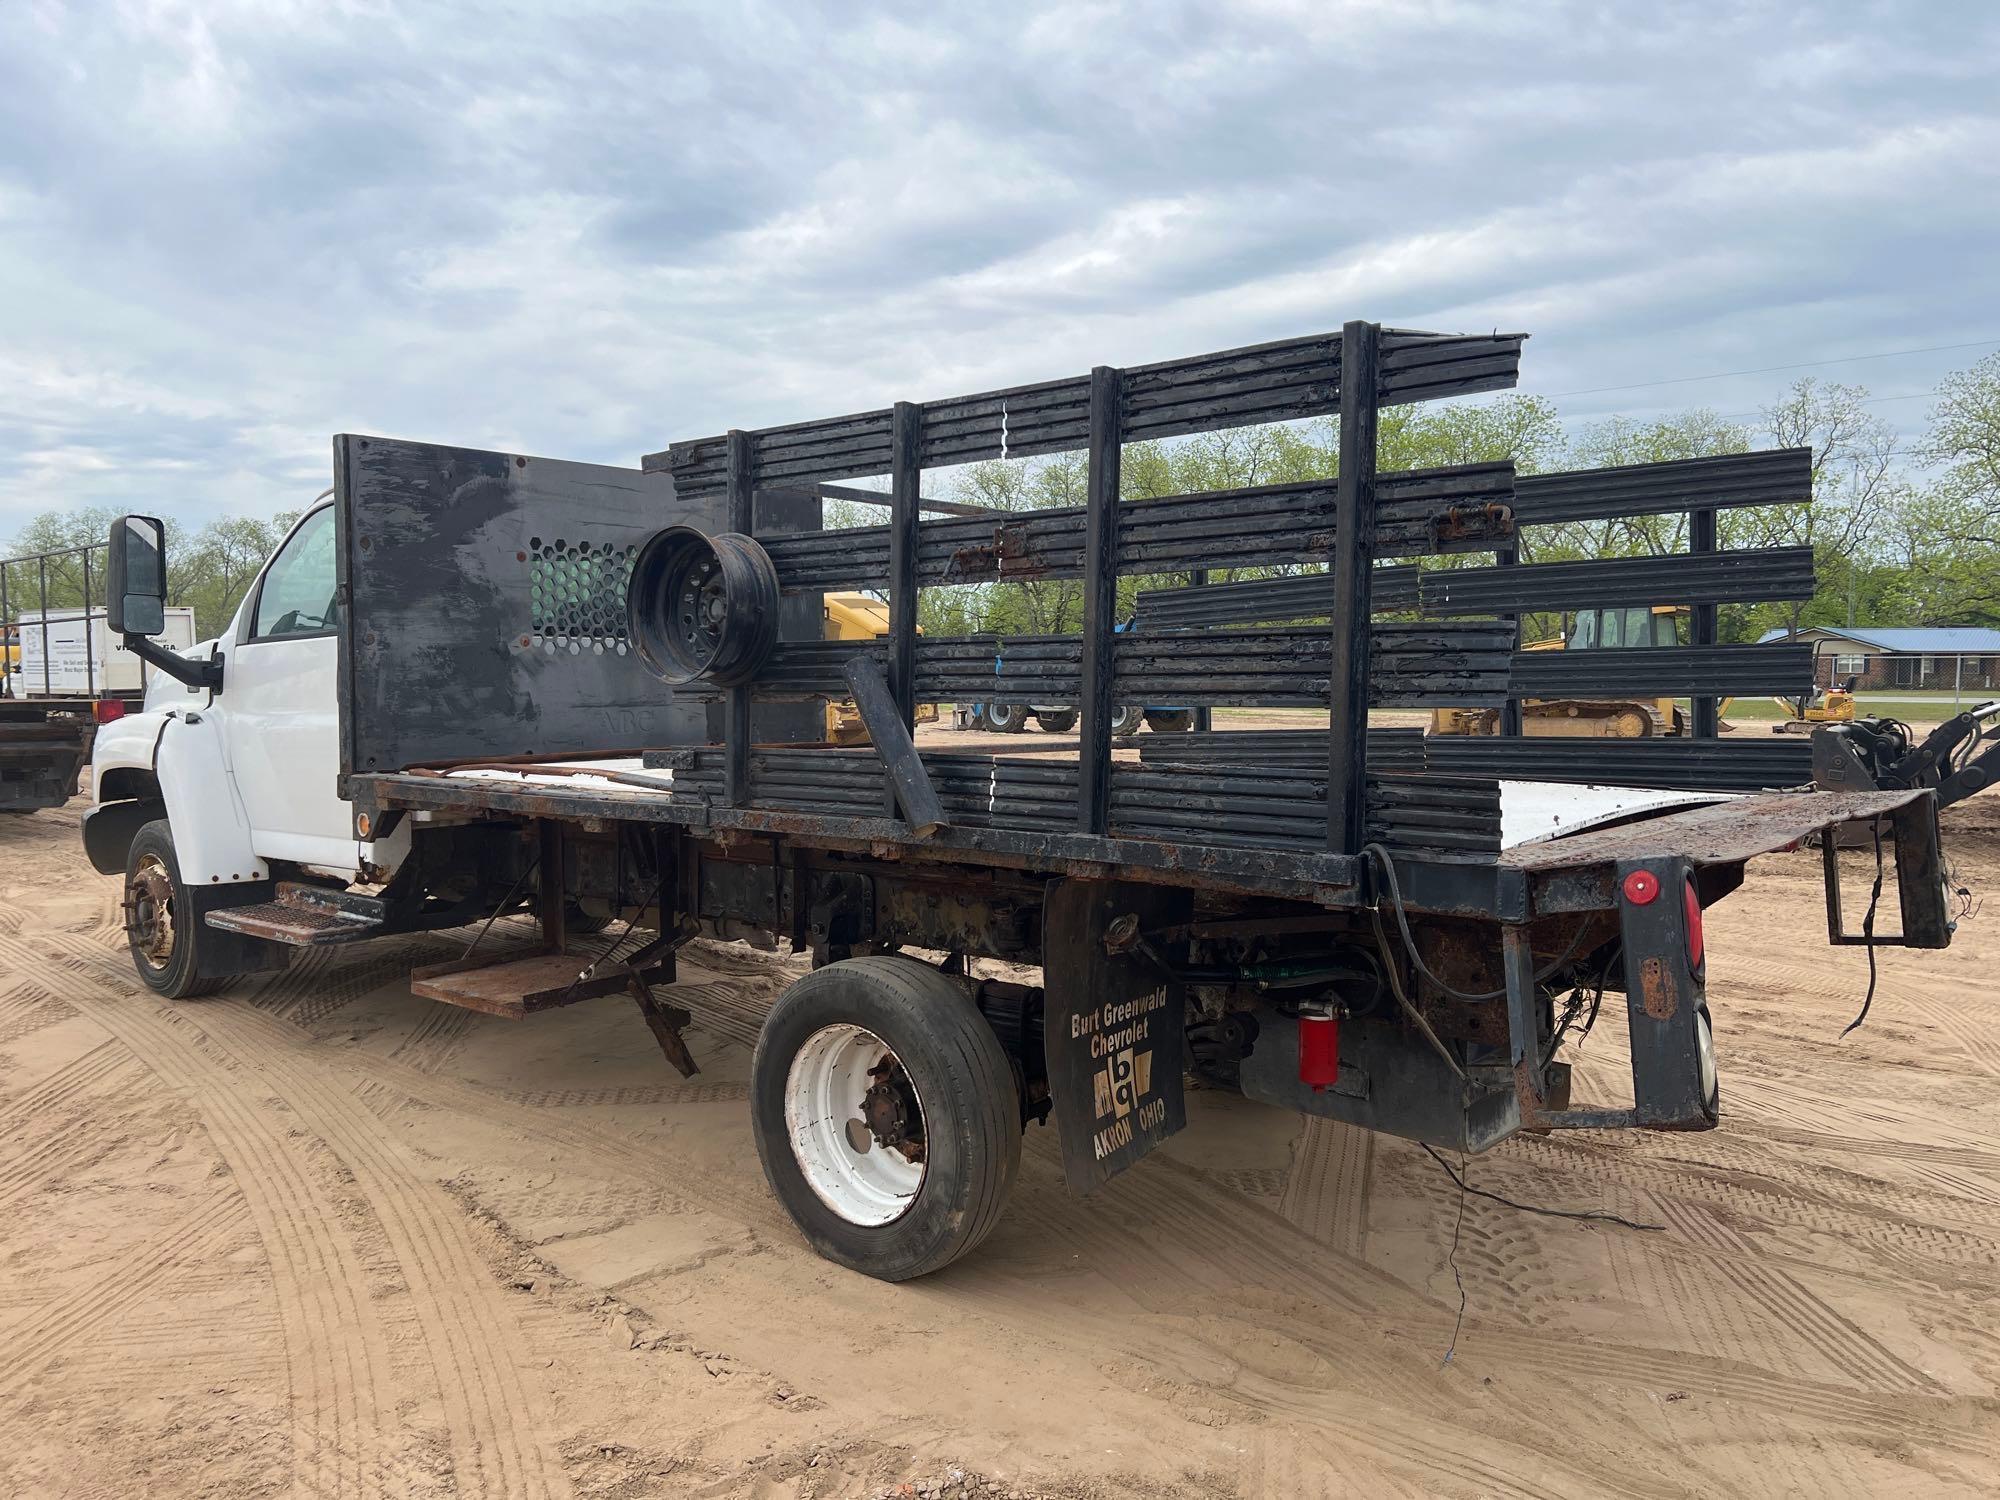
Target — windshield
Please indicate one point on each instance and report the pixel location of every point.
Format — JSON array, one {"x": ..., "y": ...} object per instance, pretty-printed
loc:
[{"x": 1610, "y": 629}]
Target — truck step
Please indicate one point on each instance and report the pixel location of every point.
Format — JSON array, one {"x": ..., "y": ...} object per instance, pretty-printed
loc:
[
  {"x": 305, "y": 916},
  {"x": 522, "y": 986}
]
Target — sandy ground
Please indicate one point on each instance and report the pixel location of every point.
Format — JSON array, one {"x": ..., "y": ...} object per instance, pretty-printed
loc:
[{"x": 319, "y": 1238}]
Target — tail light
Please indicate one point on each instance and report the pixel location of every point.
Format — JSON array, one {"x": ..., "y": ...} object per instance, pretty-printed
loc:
[
  {"x": 1697, "y": 947},
  {"x": 104, "y": 710}
]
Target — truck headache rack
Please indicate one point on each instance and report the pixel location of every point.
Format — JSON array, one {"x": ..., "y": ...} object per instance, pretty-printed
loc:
[{"x": 634, "y": 657}]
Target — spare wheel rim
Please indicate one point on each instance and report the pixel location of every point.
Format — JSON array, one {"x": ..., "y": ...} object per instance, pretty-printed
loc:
[{"x": 845, "y": 1087}]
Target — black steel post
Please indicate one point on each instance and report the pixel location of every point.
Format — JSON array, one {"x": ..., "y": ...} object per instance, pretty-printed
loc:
[
  {"x": 1352, "y": 602},
  {"x": 736, "y": 708},
  {"x": 1701, "y": 624},
  {"x": 1510, "y": 712},
  {"x": 1204, "y": 716},
  {"x": 906, "y": 472},
  {"x": 1100, "y": 599},
  {"x": 10, "y": 640}
]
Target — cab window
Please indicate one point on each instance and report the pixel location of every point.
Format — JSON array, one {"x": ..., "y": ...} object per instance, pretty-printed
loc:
[{"x": 297, "y": 595}]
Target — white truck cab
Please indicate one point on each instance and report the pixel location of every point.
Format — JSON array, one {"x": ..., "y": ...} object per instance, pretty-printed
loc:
[{"x": 231, "y": 781}]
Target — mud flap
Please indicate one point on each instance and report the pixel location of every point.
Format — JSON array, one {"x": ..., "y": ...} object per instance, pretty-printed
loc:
[{"x": 1113, "y": 1023}]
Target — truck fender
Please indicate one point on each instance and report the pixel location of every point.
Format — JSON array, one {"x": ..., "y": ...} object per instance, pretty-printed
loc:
[
  {"x": 123, "y": 788},
  {"x": 181, "y": 754}
]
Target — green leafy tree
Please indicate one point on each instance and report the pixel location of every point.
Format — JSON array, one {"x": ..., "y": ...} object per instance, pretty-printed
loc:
[
  {"x": 208, "y": 571},
  {"x": 1963, "y": 439}
]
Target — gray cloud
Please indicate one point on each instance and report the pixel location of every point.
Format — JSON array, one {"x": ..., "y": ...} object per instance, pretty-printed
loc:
[{"x": 228, "y": 230}]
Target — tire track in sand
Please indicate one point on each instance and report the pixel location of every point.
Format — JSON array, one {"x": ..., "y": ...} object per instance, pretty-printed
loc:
[
  {"x": 336, "y": 1355},
  {"x": 1800, "y": 1314},
  {"x": 33, "y": 1343},
  {"x": 468, "y": 1326},
  {"x": 80, "y": 1073},
  {"x": 1326, "y": 1193}
]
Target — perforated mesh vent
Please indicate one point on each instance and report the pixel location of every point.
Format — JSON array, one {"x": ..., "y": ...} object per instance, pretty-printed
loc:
[{"x": 576, "y": 594}]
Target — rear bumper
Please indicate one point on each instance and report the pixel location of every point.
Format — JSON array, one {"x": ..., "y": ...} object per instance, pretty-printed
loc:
[{"x": 1579, "y": 872}]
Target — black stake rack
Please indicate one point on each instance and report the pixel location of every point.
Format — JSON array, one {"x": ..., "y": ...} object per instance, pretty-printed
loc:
[{"x": 1349, "y": 634}]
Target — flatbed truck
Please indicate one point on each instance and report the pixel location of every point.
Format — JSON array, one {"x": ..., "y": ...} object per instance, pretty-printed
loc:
[{"x": 477, "y": 684}]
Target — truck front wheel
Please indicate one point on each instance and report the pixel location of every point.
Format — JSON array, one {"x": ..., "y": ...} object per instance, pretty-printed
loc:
[
  {"x": 886, "y": 1115},
  {"x": 161, "y": 925}
]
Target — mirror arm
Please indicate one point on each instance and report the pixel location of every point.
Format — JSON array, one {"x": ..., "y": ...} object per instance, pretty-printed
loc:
[{"x": 195, "y": 674}]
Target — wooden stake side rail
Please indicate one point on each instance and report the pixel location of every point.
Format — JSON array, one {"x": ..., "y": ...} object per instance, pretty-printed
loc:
[
  {"x": 1276, "y": 382},
  {"x": 1420, "y": 513},
  {"x": 1459, "y": 883},
  {"x": 1417, "y": 664},
  {"x": 1750, "y": 576},
  {"x": 1227, "y": 806}
]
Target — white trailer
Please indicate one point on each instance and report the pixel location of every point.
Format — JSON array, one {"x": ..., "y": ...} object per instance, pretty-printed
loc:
[{"x": 56, "y": 640}]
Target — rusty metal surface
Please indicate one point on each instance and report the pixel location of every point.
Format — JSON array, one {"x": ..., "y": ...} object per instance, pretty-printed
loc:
[
  {"x": 293, "y": 925},
  {"x": 1722, "y": 833},
  {"x": 521, "y": 987},
  {"x": 1329, "y": 879}
]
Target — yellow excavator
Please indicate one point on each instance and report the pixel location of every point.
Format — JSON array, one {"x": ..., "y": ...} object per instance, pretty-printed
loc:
[
  {"x": 1608, "y": 629},
  {"x": 858, "y": 617},
  {"x": 1834, "y": 705}
]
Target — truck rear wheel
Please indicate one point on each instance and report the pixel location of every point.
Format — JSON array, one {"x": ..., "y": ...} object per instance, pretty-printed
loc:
[
  {"x": 1127, "y": 720},
  {"x": 1170, "y": 720},
  {"x": 161, "y": 925},
  {"x": 886, "y": 1115},
  {"x": 1057, "y": 720}
]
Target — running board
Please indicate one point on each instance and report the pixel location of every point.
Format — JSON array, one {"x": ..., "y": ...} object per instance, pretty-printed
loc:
[{"x": 305, "y": 916}]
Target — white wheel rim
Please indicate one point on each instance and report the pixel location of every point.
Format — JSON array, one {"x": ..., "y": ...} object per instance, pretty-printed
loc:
[
  {"x": 1704, "y": 1051},
  {"x": 826, "y": 1089}
]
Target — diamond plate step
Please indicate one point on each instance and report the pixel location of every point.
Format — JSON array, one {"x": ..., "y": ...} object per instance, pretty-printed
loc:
[{"x": 304, "y": 916}]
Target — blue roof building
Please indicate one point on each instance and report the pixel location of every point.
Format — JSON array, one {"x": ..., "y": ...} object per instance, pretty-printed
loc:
[{"x": 1926, "y": 640}]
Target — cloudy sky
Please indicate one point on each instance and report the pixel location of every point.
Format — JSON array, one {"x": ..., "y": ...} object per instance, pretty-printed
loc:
[{"x": 230, "y": 229}]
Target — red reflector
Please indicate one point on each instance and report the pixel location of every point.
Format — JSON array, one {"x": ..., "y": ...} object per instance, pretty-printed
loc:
[
  {"x": 1696, "y": 946},
  {"x": 1640, "y": 887},
  {"x": 104, "y": 710},
  {"x": 1319, "y": 1051}
]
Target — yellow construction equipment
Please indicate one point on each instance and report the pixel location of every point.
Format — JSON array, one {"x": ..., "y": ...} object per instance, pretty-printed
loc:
[
  {"x": 1609, "y": 629},
  {"x": 858, "y": 617},
  {"x": 1803, "y": 715}
]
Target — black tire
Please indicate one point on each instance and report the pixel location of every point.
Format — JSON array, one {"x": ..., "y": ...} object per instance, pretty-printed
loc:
[
  {"x": 1006, "y": 718},
  {"x": 1127, "y": 720},
  {"x": 969, "y": 1108},
  {"x": 581, "y": 922},
  {"x": 1057, "y": 721},
  {"x": 1170, "y": 720},
  {"x": 151, "y": 867}
]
